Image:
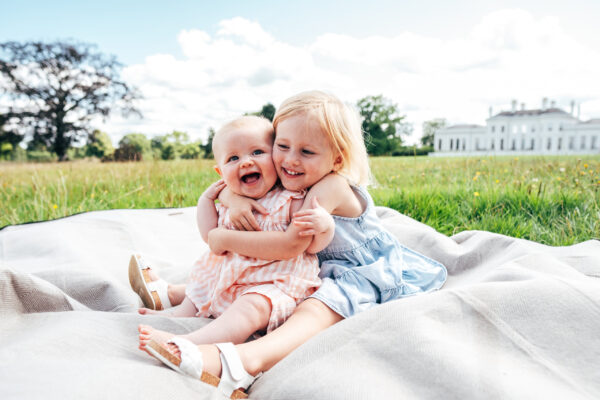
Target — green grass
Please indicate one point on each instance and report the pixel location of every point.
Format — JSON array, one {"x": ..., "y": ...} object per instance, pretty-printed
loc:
[{"x": 552, "y": 200}]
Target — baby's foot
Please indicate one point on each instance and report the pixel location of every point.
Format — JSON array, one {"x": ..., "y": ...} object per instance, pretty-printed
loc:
[
  {"x": 149, "y": 311},
  {"x": 148, "y": 333}
]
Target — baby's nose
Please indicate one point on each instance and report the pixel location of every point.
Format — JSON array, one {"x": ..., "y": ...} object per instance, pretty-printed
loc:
[{"x": 246, "y": 162}]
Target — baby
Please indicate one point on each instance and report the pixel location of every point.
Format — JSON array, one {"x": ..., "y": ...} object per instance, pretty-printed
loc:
[{"x": 244, "y": 294}]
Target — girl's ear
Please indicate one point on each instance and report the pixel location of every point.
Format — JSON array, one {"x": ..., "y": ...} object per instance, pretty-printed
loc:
[
  {"x": 217, "y": 170},
  {"x": 337, "y": 163}
]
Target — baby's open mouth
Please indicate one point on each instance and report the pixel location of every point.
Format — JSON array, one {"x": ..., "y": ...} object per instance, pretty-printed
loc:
[{"x": 251, "y": 178}]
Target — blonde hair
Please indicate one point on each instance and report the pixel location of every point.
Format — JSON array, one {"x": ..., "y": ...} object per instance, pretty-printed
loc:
[
  {"x": 242, "y": 122},
  {"x": 340, "y": 123}
]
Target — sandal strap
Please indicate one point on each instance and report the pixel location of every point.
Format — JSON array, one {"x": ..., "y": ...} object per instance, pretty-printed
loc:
[
  {"x": 233, "y": 374},
  {"x": 161, "y": 287},
  {"x": 191, "y": 358}
]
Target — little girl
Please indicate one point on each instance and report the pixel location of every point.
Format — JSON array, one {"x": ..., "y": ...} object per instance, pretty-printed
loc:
[
  {"x": 318, "y": 146},
  {"x": 245, "y": 294}
]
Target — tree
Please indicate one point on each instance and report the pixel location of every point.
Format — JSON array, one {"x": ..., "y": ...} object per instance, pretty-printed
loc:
[
  {"x": 9, "y": 140},
  {"x": 429, "y": 129},
  {"x": 99, "y": 145},
  {"x": 383, "y": 125},
  {"x": 267, "y": 111},
  {"x": 62, "y": 87},
  {"x": 207, "y": 148},
  {"x": 133, "y": 147}
]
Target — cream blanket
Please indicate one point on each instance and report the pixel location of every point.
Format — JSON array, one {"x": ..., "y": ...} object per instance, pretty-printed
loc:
[{"x": 516, "y": 319}]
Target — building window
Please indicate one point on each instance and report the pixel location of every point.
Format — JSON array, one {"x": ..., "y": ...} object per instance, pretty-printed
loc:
[
  {"x": 502, "y": 129},
  {"x": 501, "y": 144},
  {"x": 523, "y": 128},
  {"x": 514, "y": 144},
  {"x": 549, "y": 128},
  {"x": 532, "y": 144},
  {"x": 549, "y": 144},
  {"x": 493, "y": 128},
  {"x": 559, "y": 143},
  {"x": 494, "y": 142},
  {"x": 594, "y": 139},
  {"x": 477, "y": 144},
  {"x": 532, "y": 128},
  {"x": 582, "y": 145},
  {"x": 439, "y": 144},
  {"x": 560, "y": 127},
  {"x": 515, "y": 129},
  {"x": 464, "y": 143},
  {"x": 571, "y": 143},
  {"x": 457, "y": 144}
]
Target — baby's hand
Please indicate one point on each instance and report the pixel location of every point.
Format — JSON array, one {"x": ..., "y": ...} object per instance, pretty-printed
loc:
[
  {"x": 313, "y": 221},
  {"x": 212, "y": 192}
]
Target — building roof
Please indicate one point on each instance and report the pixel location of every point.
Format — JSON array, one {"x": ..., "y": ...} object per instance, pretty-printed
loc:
[
  {"x": 464, "y": 126},
  {"x": 532, "y": 112},
  {"x": 593, "y": 121}
]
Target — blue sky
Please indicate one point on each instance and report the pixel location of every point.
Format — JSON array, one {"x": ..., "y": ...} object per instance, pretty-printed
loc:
[{"x": 351, "y": 48}]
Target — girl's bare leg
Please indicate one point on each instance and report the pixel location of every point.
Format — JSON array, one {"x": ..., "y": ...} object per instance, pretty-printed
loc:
[
  {"x": 310, "y": 318},
  {"x": 248, "y": 314}
]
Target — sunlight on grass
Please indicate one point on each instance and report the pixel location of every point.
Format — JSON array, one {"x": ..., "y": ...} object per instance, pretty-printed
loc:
[{"x": 553, "y": 200}]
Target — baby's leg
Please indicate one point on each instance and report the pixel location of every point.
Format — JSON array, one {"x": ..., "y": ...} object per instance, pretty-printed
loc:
[
  {"x": 248, "y": 314},
  {"x": 310, "y": 318}
]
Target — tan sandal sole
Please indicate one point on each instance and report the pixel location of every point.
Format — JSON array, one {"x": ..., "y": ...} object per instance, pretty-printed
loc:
[
  {"x": 137, "y": 279},
  {"x": 206, "y": 377}
]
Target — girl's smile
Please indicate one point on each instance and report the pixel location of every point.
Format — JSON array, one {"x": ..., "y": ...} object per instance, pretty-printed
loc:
[{"x": 302, "y": 154}]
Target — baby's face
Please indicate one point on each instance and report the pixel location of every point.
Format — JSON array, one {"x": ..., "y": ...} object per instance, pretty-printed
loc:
[{"x": 243, "y": 156}]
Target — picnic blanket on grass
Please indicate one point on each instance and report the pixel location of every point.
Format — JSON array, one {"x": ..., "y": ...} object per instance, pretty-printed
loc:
[{"x": 515, "y": 320}]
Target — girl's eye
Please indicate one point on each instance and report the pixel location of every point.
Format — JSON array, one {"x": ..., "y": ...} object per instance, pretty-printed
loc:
[
  {"x": 282, "y": 146},
  {"x": 257, "y": 152},
  {"x": 232, "y": 158}
]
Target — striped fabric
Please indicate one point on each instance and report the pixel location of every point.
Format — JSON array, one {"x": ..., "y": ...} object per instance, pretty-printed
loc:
[{"x": 216, "y": 281}]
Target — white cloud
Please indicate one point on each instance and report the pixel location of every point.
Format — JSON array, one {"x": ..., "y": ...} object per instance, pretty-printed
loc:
[{"x": 509, "y": 54}]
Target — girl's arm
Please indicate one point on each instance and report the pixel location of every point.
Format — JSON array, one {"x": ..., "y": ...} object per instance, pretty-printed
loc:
[
  {"x": 274, "y": 245},
  {"x": 240, "y": 210},
  {"x": 206, "y": 212}
]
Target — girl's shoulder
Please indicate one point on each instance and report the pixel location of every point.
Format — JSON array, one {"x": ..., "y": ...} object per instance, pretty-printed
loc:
[{"x": 335, "y": 193}]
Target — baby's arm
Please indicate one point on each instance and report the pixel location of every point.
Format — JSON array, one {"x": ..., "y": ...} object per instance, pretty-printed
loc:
[
  {"x": 206, "y": 212},
  {"x": 274, "y": 245}
]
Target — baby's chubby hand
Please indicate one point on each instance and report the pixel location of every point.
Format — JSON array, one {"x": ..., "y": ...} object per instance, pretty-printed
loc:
[
  {"x": 212, "y": 192},
  {"x": 313, "y": 221}
]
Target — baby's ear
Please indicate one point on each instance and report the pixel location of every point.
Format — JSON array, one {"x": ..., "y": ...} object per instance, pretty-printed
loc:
[{"x": 217, "y": 170}]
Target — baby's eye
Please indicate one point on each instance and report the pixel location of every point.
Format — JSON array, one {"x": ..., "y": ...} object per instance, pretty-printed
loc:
[
  {"x": 232, "y": 158},
  {"x": 257, "y": 152},
  {"x": 305, "y": 151}
]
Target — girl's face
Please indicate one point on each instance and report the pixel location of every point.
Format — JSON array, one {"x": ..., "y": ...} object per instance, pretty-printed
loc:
[{"x": 302, "y": 153}]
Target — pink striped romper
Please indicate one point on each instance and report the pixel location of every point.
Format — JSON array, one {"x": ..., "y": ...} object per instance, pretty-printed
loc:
[{"x": 216, "y": 281}]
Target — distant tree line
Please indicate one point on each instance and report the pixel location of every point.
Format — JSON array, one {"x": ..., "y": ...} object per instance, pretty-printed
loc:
[{"x": 58, "y": 88}]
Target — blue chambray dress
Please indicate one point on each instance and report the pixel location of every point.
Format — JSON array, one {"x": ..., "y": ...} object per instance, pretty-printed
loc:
[{"x": 364, "y": 265}]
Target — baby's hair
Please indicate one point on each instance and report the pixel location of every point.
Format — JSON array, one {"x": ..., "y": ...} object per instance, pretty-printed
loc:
[
  {"x": 241, "y": 122},
  {"x": 340, "y": 123}
]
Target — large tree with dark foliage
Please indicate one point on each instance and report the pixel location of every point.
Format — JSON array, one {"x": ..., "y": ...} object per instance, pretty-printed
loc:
[
  {"x": 383, "y": 125},
  {"x": 58, "y": 88}
]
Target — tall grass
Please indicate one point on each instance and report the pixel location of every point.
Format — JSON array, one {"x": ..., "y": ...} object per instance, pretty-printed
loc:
[{"x": 552, "y": 200}]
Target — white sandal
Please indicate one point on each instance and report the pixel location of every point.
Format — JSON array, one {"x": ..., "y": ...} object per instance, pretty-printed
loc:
[
  {"x": 234, "y": 378},
  {"x": 154, "y": 294}
]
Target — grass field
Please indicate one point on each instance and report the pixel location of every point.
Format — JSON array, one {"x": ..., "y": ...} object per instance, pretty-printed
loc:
[{"x": 552, "y": 200}]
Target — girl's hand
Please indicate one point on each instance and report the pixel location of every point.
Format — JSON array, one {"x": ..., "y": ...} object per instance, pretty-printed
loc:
[
  {"x": 212, "y": 192},
  {"x": 215, "y": 242},
  {"x": 313, "y": 221},
  {"x": 241, "y": 210}
]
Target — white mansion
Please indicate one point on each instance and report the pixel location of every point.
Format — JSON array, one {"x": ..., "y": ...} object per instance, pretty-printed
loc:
[{"x": 548, "y": 130}]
